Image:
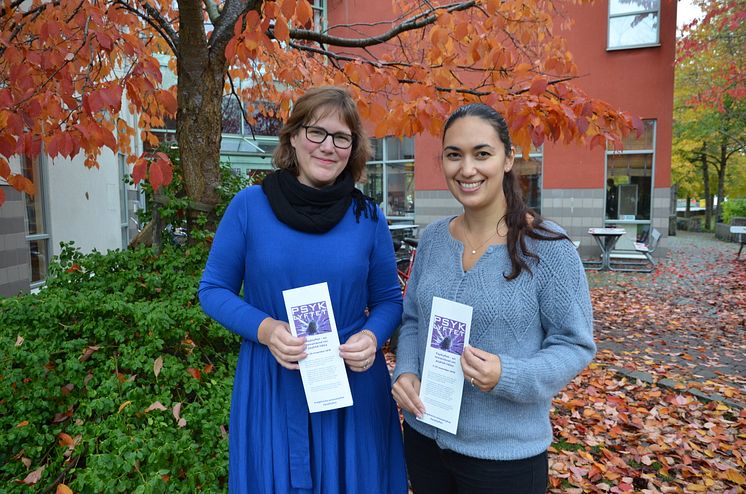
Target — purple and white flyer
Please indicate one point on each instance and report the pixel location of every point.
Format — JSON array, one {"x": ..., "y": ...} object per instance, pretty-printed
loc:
[
  {"x": 442, "y": 376},
  {"x": 310, "y": 314}
]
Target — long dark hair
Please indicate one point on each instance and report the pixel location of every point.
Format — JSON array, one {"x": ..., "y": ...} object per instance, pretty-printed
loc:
[{"x": 517, "y": 213}]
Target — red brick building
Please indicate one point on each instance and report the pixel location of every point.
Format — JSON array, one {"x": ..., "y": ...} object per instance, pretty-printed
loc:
[{"x": 625, "y": 51}]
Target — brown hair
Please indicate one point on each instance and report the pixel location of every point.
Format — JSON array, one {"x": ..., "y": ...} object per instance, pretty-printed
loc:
[
  {"x": 521, "y": 220},
  {"x": 314, "y": 104}
]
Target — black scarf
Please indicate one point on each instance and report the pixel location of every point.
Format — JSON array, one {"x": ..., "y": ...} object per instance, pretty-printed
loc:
[{"x": 315, "y": 210}]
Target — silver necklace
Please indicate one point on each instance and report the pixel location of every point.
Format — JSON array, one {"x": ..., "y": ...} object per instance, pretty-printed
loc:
[{"x": 475, "y": 249}]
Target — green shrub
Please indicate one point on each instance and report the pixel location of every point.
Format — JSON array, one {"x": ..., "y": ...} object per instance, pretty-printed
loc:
[
  {"x": 77, "y": 377},
  {"x": 174, "y": 211},
  {"x": 734, "y": 208}
]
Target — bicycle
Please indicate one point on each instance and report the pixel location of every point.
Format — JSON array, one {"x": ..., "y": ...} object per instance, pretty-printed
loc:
[{"x": 405, "y": 261}]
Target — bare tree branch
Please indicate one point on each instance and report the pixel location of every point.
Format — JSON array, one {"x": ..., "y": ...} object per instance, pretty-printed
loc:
[
  {"x": 12, "y": 6},
  {"x": 171, "y": 39},
  {"x": 163, "y": 22},
  {"x": 241, "y": 107},
  {"x": 417, "y": 22},
  {"x": 345, "y": 58},
  {"x": 35, "y": 12}
]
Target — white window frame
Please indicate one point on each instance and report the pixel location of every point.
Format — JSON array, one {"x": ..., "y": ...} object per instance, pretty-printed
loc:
[
  {"x": 123, "y": 200},
  {"x": 43, "y": 196},
  {"x": 632, "y": 13}
]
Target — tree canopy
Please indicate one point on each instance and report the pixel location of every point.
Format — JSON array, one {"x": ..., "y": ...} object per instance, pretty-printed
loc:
[
  {"x": 710, "y": 101},
  {"x": 67, "y": 66}
]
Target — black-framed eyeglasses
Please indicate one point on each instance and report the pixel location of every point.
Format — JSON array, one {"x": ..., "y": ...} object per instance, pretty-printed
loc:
[{"x": 317, "y": 135}]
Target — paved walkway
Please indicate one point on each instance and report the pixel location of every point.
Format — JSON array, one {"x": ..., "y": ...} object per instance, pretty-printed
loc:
[{"x": 683, "y": 325}]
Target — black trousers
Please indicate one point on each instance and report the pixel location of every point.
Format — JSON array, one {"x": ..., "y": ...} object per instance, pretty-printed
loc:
[{"x": 441, "y": 471}]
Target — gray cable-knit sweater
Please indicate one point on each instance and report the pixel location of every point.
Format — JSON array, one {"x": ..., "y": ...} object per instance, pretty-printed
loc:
[{"x": 540, "y": 324}]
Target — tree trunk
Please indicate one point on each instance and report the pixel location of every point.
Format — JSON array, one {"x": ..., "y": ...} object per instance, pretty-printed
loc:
[
  {"x": 721, "y": 179},
  {"x": 688, "y": 206},
  {"x": 201, "y": 73},
  {"x": 706, "y": 184}
]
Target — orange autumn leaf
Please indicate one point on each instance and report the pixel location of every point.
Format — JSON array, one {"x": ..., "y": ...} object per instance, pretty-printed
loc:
[
  {"x": 4, "y": 168},
  {"x": 65, "y": 440},
  {"x": 63, "y": 489}
]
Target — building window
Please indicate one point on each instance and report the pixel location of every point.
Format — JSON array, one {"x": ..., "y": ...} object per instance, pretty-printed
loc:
[
  {"x": 319, "y": 14},
  {"x": 629, "y": 178},
  {"x": 266, "y": 123},
  {"x": 123, "y": 200},
  {"x": 530, "y": 177},
  {"x": 390, "y": 177},
  {"x": 633, "y": 23},
  {"x": 36, "y": 216}
]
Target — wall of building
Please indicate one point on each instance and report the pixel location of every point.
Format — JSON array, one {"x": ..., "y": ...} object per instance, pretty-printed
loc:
[
  {"x": 81, "y": 205},
  {"x": 15, "y": 262},
  {"x": 638, "y": 80},
  {"x": 84, "y": 204}
]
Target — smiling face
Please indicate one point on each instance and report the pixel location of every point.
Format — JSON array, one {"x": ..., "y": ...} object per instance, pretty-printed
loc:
[
  {"x": 475, "y": 162},
  {"x": 319, "y": 165}
]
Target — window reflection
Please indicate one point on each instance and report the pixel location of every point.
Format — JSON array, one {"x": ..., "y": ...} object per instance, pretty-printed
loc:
[
  {"x": 529, "y": 176},
  {"x": 628, "y": 6},
  {"x": 633, "y": 30},
  {"x": 390, "y": 176},
  {"x": 39, "y": 257},
  {"x": 629, "y": 173},
  {"x": 35, "y": 216}
]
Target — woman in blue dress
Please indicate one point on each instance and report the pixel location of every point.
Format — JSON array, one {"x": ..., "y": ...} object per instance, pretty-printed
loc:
[{"x": 308, "y": 224}]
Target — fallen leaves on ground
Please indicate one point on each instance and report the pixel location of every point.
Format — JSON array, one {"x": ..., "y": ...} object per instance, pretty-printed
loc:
[{"x": 685, "y": 326}]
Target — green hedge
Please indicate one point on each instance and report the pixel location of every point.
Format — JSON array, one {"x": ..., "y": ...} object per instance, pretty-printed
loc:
[
  {"x": 78, "y": 374},
  {"x": 734, "y": 208}
]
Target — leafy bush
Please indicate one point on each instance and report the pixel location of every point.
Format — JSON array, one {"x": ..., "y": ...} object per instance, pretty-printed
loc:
[
  {"x": 112, "y": 379},
  {"x": 175, "y": 202},
  {"x": 734, "y": 208}
]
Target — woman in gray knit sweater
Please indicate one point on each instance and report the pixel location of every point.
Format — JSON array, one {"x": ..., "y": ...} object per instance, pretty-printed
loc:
[{"x": 531, "y": 329}]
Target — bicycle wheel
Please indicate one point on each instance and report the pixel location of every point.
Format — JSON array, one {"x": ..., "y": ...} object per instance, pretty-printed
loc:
[{"x": 402, "y": 272}]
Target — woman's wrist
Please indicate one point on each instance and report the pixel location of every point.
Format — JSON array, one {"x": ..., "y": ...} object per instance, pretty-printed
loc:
[
  {"x": 265, "y": 329},
  {"x": 371, "y": 335}
]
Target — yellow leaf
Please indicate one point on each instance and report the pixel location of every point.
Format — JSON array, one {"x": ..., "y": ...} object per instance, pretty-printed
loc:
[
  {"x": 124, "y": 405},
  {"x": 696, "y": 487},
  {"x": 735, "y": 477}
]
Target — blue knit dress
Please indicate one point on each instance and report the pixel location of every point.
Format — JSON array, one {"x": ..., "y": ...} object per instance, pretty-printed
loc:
[{"x": 276, "y": 445}]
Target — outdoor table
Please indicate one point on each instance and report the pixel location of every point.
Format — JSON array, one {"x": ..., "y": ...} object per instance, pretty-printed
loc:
[
  {"x": 739, "y": 230},
  {"x": 606, "y": 238},
  {"x": 402, "y": 227}
]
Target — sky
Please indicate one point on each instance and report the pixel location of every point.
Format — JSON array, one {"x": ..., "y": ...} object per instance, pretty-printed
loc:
[{"x": 686, "y": 12}]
